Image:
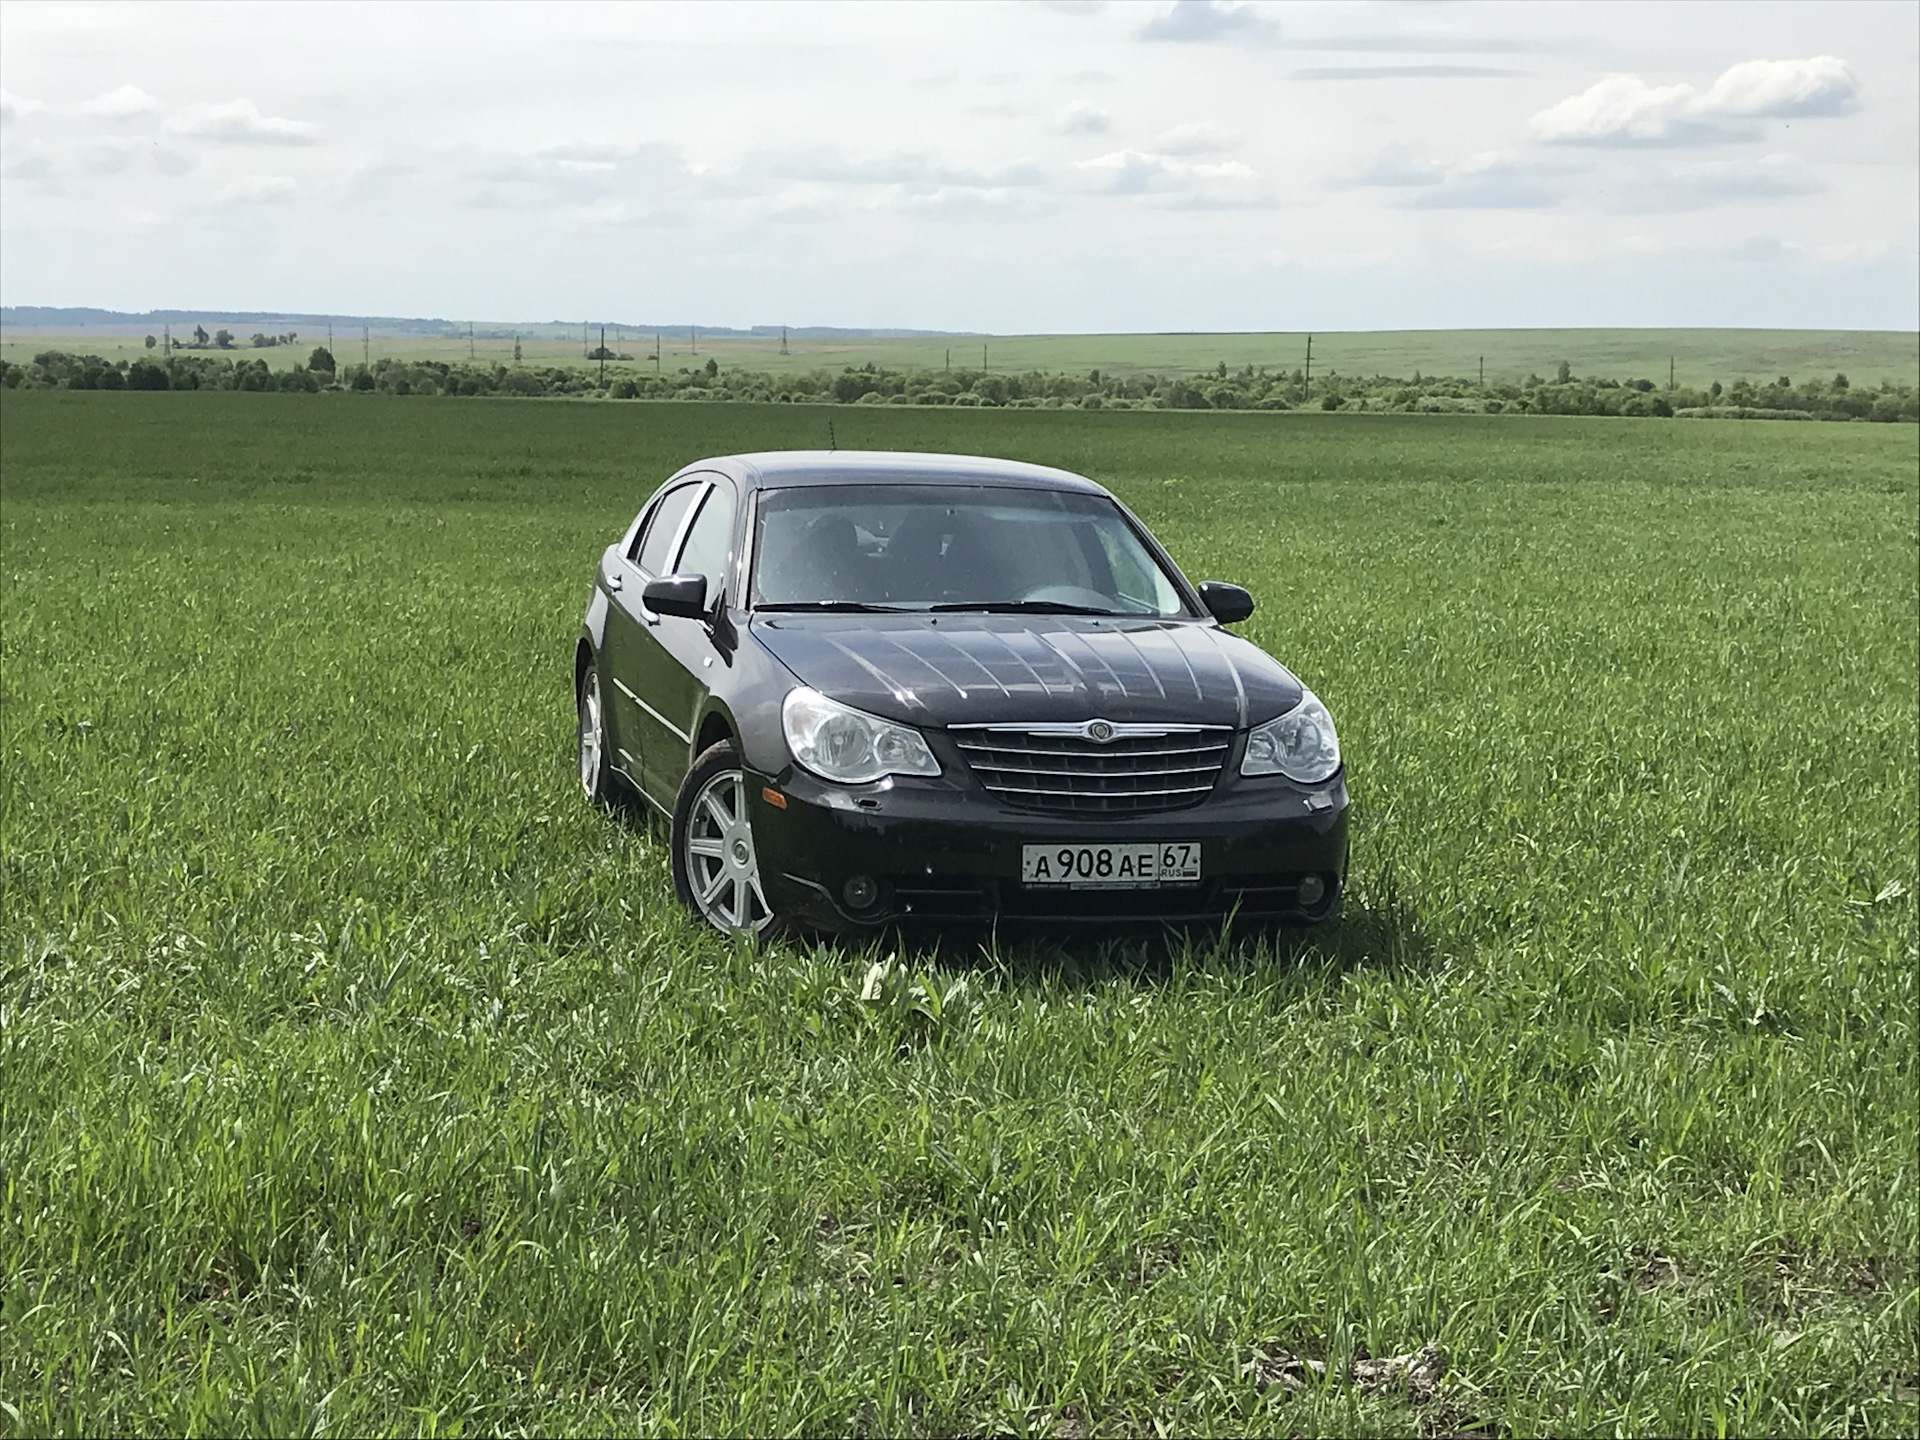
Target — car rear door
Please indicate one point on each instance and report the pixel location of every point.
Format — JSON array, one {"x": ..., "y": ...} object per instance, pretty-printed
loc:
[
  {"x": 626, "y": 650},
  {"x": 676, "y": 657}
]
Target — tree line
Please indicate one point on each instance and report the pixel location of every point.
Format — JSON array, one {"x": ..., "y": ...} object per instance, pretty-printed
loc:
[{"x": 1249, "y": 388}]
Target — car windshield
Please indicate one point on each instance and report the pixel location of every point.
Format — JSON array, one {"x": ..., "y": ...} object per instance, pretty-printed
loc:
[{"x": 953, "y": 547}]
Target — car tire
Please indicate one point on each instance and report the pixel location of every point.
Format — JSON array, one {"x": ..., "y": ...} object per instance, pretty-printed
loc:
[
  {"x": 716, "y": 871},
  {"x": 596, "y": 766}
]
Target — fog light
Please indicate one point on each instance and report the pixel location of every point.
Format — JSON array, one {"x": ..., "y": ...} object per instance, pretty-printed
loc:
[
  {"x": 860, "y": 892},
  {"x": 1312, "y": 890}
]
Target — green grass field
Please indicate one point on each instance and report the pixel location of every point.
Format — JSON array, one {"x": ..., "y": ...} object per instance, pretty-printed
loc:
[
  {"x": 356, "y": 1077},
  {"x": 1700, "y": 357}
]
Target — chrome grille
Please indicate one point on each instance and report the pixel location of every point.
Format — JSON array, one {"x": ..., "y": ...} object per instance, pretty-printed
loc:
[{"x": 1062, "y": 769}]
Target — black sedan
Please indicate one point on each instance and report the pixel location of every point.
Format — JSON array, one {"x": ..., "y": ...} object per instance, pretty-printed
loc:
[{"x": 876, "y": 688}]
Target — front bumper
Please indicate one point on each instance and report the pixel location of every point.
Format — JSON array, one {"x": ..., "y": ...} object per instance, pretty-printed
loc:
[{"x": 944, "y": 851}]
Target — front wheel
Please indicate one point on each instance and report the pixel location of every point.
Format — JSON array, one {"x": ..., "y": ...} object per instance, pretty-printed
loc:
[
  {"x": 595, "y": 768},
  {"x": 716, "y": 872}
]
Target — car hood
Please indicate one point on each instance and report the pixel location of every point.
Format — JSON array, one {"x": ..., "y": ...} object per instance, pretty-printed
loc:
[{"x": 956, "y": 668}]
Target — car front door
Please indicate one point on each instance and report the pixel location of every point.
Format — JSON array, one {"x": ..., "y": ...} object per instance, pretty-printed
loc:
[
  {"x": 676, "y": 656},
  {"x": 626, "y": 650}
]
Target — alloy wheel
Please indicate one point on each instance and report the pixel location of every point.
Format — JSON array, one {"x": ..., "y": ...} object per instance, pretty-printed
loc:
[
  {"x": 593, "y": 744},
  {"x": 722, "y": 869}
]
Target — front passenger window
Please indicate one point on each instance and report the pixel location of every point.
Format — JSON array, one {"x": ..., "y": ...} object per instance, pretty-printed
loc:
[
  {"x": 664, "y": 527},
  {"x": 705, "y": 552}
]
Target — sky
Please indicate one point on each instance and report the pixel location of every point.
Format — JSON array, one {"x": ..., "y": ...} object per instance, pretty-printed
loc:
[{"x": 1001, "y": 167}]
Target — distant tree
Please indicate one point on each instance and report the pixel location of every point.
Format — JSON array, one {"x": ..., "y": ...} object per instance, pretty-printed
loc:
[
  {"x": 151, "y": 342},
  {"x": 516, "y": 351},
  {"x": 260, "y": 342},
  {"x": 713, "y": 368},
  {"x": 200, "y": 336},
  {"x": 1564, "y": 373},
  {"x": 321, "y": 359},
  {"x": 223, "y": 339},
  {"x": 1716, "y": 389},
  {"x": 1839, "y": 381}
]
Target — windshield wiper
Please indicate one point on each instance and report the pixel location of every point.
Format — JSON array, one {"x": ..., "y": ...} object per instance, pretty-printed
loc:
[
  {"x": 855, "y": 607},
  {"x": 1024, "y": 607}
]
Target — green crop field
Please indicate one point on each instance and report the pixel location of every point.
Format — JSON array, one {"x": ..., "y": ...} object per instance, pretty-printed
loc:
[
  {"x": 356, "y": 1077},
  {"x": 1699, "y": 357}
]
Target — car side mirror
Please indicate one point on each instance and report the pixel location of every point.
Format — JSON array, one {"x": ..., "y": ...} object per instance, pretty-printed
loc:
[
  {"x": 1229, "y": 604},
  {"x": 683, "y": 595}
]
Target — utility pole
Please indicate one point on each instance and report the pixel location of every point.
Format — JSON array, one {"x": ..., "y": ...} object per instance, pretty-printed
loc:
[
  {"x": 783, "y": 341},
  {"x": 169, "y": 339},
  {"x": 583, "y": 339},
  {"x": 1308, "y": 391},
  {"x": 1669, "y": 372},
  {"x": 329, "y": 335},
  {"x": 693, "y": 338},
  {"x": 656, "y": 352},
  {"x": 366, "y": 349},
  {"x": 1483, "y": 370},
  {"x": 469, "y": 340},
  {"x": 949, "y": 357},
  {"x": 603, "y": 357}
]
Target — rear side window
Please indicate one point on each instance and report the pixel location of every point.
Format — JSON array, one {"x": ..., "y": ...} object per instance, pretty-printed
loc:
[
  {"x": 658, "y": 537},
  {"x": 705, "y": 552}
]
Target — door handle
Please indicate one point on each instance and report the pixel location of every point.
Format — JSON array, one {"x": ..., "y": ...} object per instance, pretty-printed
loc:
[{"x": 614, "y": 582}]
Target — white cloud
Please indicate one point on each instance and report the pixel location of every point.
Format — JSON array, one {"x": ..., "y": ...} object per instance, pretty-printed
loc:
[
  {"x": 1625, "y": 110},
  {"x": 104, "y": 160},
  {"x": 13, "y": 107},
  {"x": 1394, "y": 167},
  {"x": 121, "y": 104},
  {"x": 1080, "y": 118},
  {"x": 1172, "y": 183},
  {"x": 64, "y": 19},
  {"x": 1779, "y": 89},
  {"x": 1406, "y": 72},
  {"x": 1492, "y": 180},
  {"x": 1705, "y": 184},
  {"x": 260, "y": 190},
  {"x": 920, "y": 169},
  {"x": 239, "y": 122},
  {"x": 37, "y": 168},
  {"x": 1205, "y": 21},
  {"x": 1197, "y": 138}
]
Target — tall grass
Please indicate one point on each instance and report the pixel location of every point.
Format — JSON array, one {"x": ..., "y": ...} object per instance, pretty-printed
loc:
[{"x": 354, "y": 1076}]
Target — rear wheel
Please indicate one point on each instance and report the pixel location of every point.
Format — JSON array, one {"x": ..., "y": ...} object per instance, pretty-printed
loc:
[{"x": 716, "y": 871}]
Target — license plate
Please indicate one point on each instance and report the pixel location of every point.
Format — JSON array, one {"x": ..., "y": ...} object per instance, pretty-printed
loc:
[{"x": 1112, "y": 867}]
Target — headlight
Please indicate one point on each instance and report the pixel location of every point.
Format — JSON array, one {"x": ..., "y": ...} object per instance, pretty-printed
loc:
[
  {"x": 1300, "y": 745},
  {"x": 840, "y": 743}
]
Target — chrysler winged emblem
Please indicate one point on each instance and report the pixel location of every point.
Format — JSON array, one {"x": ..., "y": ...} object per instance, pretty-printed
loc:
[{"x": 1099, "y": 731}]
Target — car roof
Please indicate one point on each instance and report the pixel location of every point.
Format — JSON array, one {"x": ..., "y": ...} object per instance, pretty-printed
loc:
[{"x": 780, "y": 469}]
